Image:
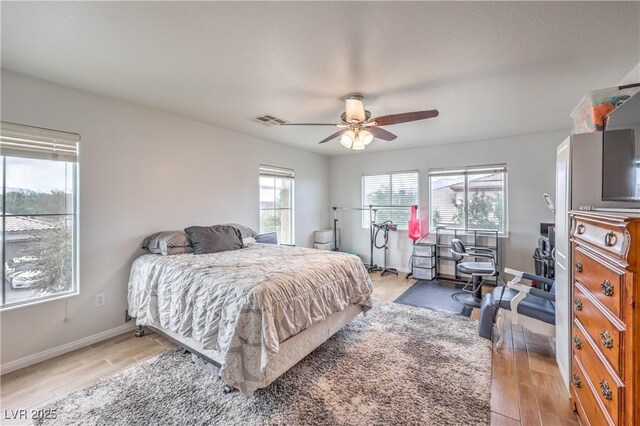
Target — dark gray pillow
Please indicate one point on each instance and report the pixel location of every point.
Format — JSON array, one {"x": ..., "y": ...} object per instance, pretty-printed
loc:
[
  {"x": 214, "y": 239},
  {"x": 167, "y": 243},
  {"x": 244, "y": 230}
]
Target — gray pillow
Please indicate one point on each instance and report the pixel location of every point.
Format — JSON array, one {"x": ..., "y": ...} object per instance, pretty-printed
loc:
[
  {"x": 244, "y": 230},
  {"x": 214, "y": 239},
  {"x": 167, "y": 243},
  {"x": 179, "y": 250}
]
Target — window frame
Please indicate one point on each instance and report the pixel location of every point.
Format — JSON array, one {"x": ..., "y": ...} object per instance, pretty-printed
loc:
[
  {"x": 281, "y": 173},
  {"x": 470, "y": 171},
  {"x": 75, "y": 245},
  {"x": 365, "y": 222}
]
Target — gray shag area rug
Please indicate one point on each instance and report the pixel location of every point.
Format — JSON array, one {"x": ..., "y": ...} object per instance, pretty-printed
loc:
[{"x": 396, "y": 365}]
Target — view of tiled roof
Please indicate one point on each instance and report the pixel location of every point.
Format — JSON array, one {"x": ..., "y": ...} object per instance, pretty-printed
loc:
[{"x": 25, "y": 224}]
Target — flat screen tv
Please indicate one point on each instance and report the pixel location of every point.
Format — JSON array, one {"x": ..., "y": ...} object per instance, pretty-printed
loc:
[{"x": 621, "y": 153}]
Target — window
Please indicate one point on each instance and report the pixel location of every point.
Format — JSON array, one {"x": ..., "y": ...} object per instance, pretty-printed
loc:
[
  {"x": 469, "y": 198},
  {"x": 39, "y": 207},
  {"x": 395, "y": 192},
  {"x": 276, "y": 203}
]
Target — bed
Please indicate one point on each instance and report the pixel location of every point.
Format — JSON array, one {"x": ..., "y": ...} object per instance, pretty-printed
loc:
[{"x": 253, "y": 312}]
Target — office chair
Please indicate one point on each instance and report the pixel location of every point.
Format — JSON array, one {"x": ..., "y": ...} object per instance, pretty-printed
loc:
[
  {"x": 477, "y": 270},
  {"x": 533, "y": 308}
]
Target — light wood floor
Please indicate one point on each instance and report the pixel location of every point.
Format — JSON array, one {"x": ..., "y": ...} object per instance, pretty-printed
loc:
[{"x": 526, "y": 384}]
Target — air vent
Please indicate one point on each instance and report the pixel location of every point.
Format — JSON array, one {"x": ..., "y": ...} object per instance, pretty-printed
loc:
[{"x": 268, "y": 120}]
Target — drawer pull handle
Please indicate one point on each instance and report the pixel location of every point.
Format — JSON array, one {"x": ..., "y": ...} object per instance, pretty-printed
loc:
[
  {"x": 578, "y": 266},
  {"x": 607, "y": 288},
  {"x": 580, "y": 230},
  {"x": 576, "y": 381},
  {"x": 606, "y": 339},
  {"x": 610, "y": 239},
  {"x": 577, "y": 343},
  {"x": 606, "y": 390},
  {"x": 578, "y": 304}
]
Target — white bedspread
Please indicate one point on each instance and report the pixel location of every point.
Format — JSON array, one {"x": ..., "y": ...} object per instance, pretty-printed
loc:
[{"x": 244, "y": 303}]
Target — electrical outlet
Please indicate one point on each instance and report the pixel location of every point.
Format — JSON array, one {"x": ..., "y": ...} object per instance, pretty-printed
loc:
[{"x": 100, "y": 300}]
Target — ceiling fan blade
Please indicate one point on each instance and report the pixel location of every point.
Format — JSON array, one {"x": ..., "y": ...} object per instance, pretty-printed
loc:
[
  {"x": 354, "y": 109},
  {"x": 333, "y": 136},
  {"x": 387, "y": 120},
  {"x": 308, "y": 124},
  {"x": 382, "y": 134}
]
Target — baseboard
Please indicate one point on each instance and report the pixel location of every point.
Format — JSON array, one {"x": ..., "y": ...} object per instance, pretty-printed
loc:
[
  {"x": 563, "y": 375},
  {"x": 63, "y": 349}
]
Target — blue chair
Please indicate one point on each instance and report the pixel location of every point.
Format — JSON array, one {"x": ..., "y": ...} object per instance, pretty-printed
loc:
[{"x": 528, "y": 306}]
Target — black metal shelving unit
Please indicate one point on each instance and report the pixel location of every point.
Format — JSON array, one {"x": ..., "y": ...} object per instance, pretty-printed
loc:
[{"x": 471, "y": 238}]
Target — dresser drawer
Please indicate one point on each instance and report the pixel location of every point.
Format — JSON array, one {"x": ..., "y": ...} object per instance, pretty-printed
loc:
[
  {"x": 426, "y": 250},
  {"x": 590, "y": 410},
  {"x": 605, "y": 283},
  {"x": 424, "y": 262},
  {"x": 605, "y": 330},
  {"x": 578, "y": 337},
  {"x": 605, "y": 383},
  {"x": 602, "y": 235},
  {"x": 423, "y": 273}
]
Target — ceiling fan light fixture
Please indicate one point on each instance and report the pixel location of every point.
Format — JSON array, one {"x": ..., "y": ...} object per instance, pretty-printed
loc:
[
  {"x": 358, "y": 128},
  {"x": 354, "y": 109},
  {"x": 347, "y": 139},
  {"x": 365, "y": 137},
  {"x": 357, "y": 144}
]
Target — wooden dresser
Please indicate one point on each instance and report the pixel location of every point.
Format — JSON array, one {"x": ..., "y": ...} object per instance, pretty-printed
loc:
[{"x": 605, "y": 371}]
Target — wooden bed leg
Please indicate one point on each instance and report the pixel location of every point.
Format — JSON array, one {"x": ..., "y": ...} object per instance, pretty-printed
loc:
[{"x": 139, "y": 331}]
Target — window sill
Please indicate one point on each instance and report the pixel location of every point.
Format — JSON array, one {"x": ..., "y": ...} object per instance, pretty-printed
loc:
[
  {"x": 60, "y": 296},
  {"x": 397, "y": 230}
]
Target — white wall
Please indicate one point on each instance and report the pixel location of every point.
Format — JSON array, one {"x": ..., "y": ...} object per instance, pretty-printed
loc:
[
  {"x": 531, "y": 161},
  {"x": 143, "y": 171},
  {"x": 632, "y": 77}
]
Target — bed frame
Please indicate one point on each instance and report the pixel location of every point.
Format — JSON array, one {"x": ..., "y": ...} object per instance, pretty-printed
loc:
[
  {"x": 140, "y": 332},
  {"x": 292, "y": 350}
]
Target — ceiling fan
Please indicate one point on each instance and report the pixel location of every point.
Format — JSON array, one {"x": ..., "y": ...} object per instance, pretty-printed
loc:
[{"x": 357, "y": 128}]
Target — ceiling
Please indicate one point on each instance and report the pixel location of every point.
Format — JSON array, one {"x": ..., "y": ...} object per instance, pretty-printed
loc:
[{"x": 491, "y": 69}]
